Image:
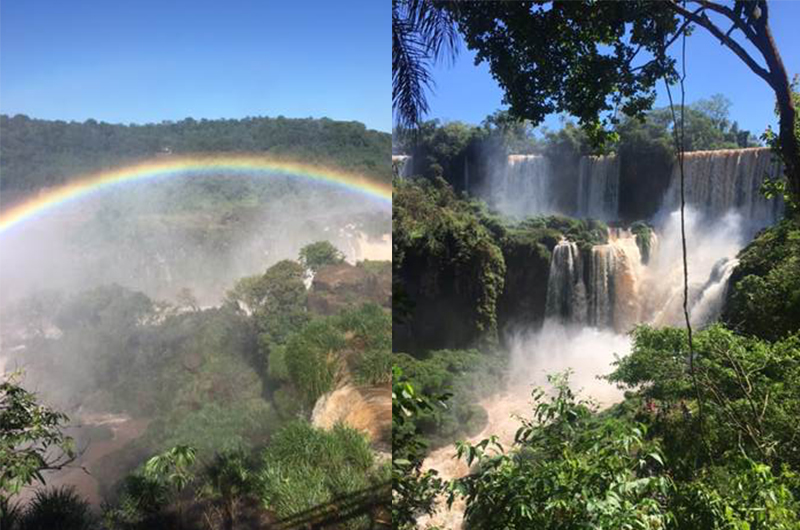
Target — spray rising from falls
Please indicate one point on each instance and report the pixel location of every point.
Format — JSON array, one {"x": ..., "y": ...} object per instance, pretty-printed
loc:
[{"x": 597, "y": 293}]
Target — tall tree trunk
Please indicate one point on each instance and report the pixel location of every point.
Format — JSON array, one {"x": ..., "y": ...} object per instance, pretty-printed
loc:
[{"x": 779, "y": 81}]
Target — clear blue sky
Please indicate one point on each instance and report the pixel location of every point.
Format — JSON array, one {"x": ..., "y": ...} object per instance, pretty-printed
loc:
[
  {"x": 468, "y": 93},
  {"x": 147, "y": 61}
]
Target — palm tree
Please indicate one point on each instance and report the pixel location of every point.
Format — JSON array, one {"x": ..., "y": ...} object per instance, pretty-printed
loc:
[
  {"x": 229, "y": 480},
  {"x": 422, "y": 32},
  {"x": 173, "y": 467}
]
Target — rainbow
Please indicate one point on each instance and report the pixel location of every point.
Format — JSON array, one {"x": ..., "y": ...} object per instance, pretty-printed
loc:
[{"x": 170, "y": 166}]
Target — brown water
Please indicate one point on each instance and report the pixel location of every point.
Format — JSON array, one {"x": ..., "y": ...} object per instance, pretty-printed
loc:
[{"x": 82, "y": 473}]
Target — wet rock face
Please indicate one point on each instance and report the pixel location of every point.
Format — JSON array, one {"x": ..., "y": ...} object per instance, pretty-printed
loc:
[{"x": 337, "y": 287}]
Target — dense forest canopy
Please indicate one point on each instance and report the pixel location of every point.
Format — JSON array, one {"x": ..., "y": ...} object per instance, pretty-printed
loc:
[
  {"x": 39, "y": 153},
  {"x": 440, "y": 147},
  {"x": 588, "y": 59}
]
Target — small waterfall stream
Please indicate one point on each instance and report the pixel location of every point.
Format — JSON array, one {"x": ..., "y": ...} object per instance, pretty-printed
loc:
[{"x": 598, "y": 187}]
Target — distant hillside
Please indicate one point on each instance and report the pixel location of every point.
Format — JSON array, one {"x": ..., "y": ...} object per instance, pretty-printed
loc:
[{"x": 38, "y": 153}]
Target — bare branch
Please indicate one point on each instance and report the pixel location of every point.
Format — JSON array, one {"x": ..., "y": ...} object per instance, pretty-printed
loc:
[
  {"x": 730, "y": 15},
  {"x": 734, "y": 46}
]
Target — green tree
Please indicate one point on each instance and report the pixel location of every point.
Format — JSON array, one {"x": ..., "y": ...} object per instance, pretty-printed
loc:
[
  {"x": 31, "y": 438},
  {"x": 228, "y": 480},
  {"x": 566, "y": 471},
  {"x": 585, "y": 57},
  {"x": 414, "y": 491},
  {"x": 173, "y": 468},
  {"x": 277, "y": 303},
  {"x": 316, "y": 255},
  {"x": 421, "y": 34},
  {"x": 141, "y": 502}
]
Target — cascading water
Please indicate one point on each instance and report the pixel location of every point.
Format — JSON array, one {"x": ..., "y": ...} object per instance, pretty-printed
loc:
[
  {"x": 708, "y": 303},
  {"x": 596, "y": 295},
  {"x": 403, "y": 165},
  {"x": 523, "y": 186},
  {"x": 601, "y": 291},
  {"x": 598, "y": 187},
  {"x": 730, "y": 179}
]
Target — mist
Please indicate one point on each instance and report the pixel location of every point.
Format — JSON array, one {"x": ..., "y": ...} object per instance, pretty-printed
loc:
[{"x": 143, "y": 245}]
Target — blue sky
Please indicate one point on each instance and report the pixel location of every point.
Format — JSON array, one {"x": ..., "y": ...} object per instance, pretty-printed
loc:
[
  {"x": 148, "y": 61},
  {"x": 468, "y": 93}
]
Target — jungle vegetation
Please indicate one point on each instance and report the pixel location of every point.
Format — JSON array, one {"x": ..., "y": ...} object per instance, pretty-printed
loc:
[
  {"x": 670, "y": 455},
  {"x": 227, "y": 393},
  {"x": 40, "y": 153}
]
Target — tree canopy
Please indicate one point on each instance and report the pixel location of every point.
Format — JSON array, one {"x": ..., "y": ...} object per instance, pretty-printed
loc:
[
  {"x": 39, "y": 153},
  {"x": 594, "y": 60}
]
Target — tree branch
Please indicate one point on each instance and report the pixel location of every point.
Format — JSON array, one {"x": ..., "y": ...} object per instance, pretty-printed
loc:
[
  {"x": 730, "y": 15},
  {"x": 734, "y": 46}
]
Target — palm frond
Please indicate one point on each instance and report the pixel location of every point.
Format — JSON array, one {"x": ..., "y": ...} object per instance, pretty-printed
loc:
[{"x": 423, "y": 32}]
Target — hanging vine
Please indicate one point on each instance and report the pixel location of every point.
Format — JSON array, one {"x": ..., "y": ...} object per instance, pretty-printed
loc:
[{"x": 678, "y": 134}]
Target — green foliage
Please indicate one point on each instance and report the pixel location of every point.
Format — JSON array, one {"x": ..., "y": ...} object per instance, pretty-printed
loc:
[
  {"x": 280, "y": 286},
  {"x": 644, "y": 236},
  {"x": 172, "y": 466},
  {"x": 357, "y": 341},
  {"x": 60, "y": 508},
  {"x": 39, "y": 153},
  {"x": 441, "y": 250},
  {"x": 277, "y": 302},
  {"x": 440, "y": 149},
  {"x": 468, "y": 375},
  {"x": 764, "y": 297},
  {"x": 413, "y": 490},
  {"x": 31, "y": 438},
  {"x": 748, "y": 387},
  {"x": 228, "y": 480},
  {"x": 375, "y": 368},
  {"x": 304, "y": 467},
  {"x": 741, "y": 495},
  {"x": 566, "y": 471},
  {"x": 141, "y": 503},
  {"x": 216, "y": 426},
  {"x": 553, "y": 62},
  {"x": 316, "y": 255},
  {"x": 313, "y": 359}
]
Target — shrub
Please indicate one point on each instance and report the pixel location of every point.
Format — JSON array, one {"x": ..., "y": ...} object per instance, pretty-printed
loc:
[
  {"x": 305, "y": 467},
  {"x": 60, "y": 508}
]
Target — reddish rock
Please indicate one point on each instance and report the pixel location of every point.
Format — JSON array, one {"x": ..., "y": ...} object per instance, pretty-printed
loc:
[{"x": 338, "y": 287}]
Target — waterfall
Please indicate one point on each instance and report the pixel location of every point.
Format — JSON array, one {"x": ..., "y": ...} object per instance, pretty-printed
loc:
[
  {"x": 523, "y": 186},
  {"x": 709, "y": 299},
  {"x": 729, "y": 179},
  {"x": 566, "y": 291},
  {"x": 526, "y": 185},
  {"x": 603, "y": 292},
  {"x": 598, "y": 187},
  {"x": 601, "y": 282},
  {"x": 403, "y": 164}
]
